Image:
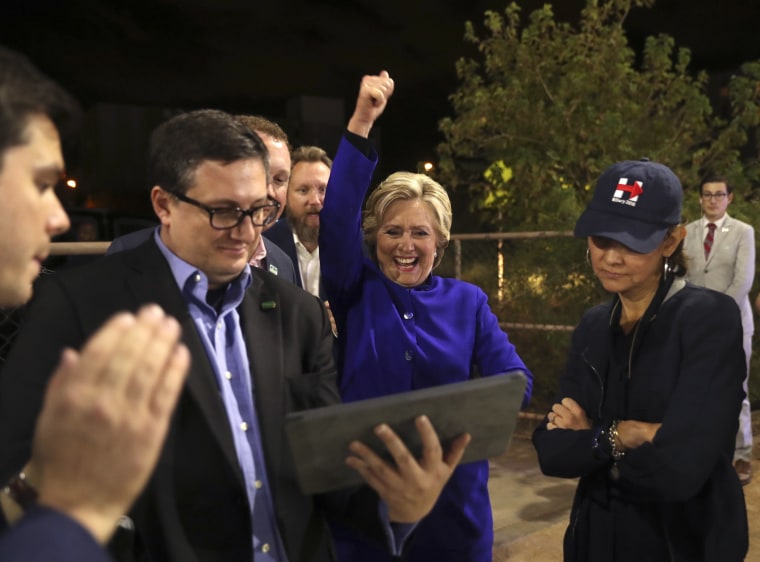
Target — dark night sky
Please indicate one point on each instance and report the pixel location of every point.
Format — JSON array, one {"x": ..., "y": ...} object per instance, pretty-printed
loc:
[{"x": 253, "y": 56}]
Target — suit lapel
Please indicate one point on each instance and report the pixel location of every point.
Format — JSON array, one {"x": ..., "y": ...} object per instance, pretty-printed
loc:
[
  {"x": 695, "y": 248},
  {"x": 260, "y": 312},
  {"x": 154, "y": 282},
  {"x": 281, "y": 235}
]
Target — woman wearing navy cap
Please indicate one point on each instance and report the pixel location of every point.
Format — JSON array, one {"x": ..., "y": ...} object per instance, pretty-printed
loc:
[{"x": 647, "y": 410}]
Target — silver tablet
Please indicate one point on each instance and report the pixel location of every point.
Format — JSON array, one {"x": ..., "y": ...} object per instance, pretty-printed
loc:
[{"x": 485, "y": 407}]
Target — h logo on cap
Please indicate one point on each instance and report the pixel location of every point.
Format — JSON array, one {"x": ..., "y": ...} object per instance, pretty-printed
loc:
[{"x": 634, "y": 190}]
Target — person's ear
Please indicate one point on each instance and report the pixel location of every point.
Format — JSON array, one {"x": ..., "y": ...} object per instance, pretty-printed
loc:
[
  {"x": 674, "y": 237},
  {"x": 162, "y": 204}
]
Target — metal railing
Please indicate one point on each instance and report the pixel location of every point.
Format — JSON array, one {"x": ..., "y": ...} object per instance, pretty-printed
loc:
[
  {"x": 459, "y": 246},
  {"x": 494, "y": 261}
]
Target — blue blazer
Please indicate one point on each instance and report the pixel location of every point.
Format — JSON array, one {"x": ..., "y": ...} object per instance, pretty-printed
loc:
[
  {"x": 394, "y": 339},
  {"x": 45, "y": 534}
]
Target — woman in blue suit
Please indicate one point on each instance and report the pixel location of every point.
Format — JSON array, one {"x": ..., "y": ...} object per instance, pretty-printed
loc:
[{"x": 401, "y": 327}]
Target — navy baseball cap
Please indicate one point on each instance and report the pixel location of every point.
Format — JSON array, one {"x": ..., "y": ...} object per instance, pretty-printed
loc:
[{"x": 635, "y": 202}]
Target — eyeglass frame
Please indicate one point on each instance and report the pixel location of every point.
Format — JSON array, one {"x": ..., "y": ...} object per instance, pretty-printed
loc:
[
  {"x": 242, "y": 213},
  {"x": 717, "y": 196}
]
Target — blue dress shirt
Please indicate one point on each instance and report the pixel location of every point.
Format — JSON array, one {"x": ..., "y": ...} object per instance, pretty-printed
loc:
[{"x": 218, "y": 325}]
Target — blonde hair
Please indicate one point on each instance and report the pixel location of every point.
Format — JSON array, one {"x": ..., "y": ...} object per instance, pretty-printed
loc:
[{"x": 406, "y": 186}]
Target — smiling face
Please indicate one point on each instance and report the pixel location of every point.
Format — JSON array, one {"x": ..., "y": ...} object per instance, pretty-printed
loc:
[
  {"x": 407, "y": 242},
  {"x": 220, "y": 254},
  {"x": 30, "y": 213},
  {"x": 279, "y": 169}
]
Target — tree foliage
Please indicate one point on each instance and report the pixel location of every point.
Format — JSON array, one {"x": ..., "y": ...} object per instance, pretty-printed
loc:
[
  {"x": 543, "y": 109},
  {"x": 546, "y": 107}
]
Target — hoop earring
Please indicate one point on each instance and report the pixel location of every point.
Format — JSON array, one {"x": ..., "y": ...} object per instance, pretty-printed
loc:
[
  {"x": 667, "y": 269},
  {"x": 588, "y": 257}
]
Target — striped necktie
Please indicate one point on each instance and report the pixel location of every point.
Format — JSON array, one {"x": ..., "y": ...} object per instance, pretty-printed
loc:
[{"x": 709, "y": 238}]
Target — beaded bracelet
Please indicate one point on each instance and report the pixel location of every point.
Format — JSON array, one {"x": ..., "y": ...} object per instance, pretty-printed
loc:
[{"x": 617, "y": 454}]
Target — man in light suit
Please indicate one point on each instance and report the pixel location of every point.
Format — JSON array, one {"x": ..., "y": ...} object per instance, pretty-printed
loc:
[
  {"x": 724, "y": 260},
  {"x": 225, "y": 487},
  {"x": 107, "y": 408}
]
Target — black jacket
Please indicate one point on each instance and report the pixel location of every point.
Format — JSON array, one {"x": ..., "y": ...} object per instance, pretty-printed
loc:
[
  {"x": 677, "y": 498},
  {"x": 194, "y": 507}
]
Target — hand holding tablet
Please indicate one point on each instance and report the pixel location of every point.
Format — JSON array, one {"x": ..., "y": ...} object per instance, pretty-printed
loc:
[{"x": 486, "y": 408}]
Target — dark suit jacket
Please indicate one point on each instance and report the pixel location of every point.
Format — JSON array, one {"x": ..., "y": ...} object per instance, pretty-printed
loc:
[
  {"x": 195, "y": 506},
  {"x": 282, "y": 236},
  {"x": 276, "y": 261}
]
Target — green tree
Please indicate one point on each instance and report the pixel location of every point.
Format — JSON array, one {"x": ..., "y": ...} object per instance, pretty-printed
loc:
[
  {"x": 547, "y": 107},
  {"x": 543, "y": 110}
]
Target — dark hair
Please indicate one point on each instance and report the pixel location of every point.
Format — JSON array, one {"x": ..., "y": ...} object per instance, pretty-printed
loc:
[
  {"x": 310, "y": 154},
  {"x": 679, "y": 262},
  {"x": 716, "y": 179},
  {"x": 178, "y": 146},
  {"x": 25, "y": 92},
  {"x": 259, "y": 124}
]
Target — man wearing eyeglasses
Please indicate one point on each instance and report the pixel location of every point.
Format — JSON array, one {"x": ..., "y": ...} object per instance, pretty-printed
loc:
[
  {"x": 225, "y": 485},
  {"x": 721, "y": 250},
  {"x": 266, "y": 254}
]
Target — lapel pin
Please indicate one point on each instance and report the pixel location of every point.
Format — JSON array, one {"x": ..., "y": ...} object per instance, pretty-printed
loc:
[{"x": 268, "y": 305}]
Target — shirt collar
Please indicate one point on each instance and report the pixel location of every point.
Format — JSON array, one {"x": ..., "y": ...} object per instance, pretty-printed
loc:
[
  {"x": 299, "y": 245},
  {"x": 193, "y": 283},
  {"x": 259, "y": 254},
  {"x": 718, "y": 223}
]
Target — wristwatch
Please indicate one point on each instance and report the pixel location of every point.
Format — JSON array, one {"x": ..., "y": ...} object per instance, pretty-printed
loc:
[{"x": 20, "y": 491}]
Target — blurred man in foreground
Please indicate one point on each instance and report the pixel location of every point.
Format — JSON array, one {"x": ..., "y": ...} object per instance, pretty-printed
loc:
[{"x": 106, "y": 410}]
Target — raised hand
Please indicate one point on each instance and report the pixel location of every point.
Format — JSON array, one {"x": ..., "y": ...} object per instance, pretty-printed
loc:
[
  {"x": 374, "y": 93},
  {"x": 105, "y": 417}
]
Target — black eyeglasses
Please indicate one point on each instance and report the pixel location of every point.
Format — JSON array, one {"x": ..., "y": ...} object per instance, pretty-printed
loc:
[
  {"x": 717, "y": 196},
  {"x": 225, "y": 218}
]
